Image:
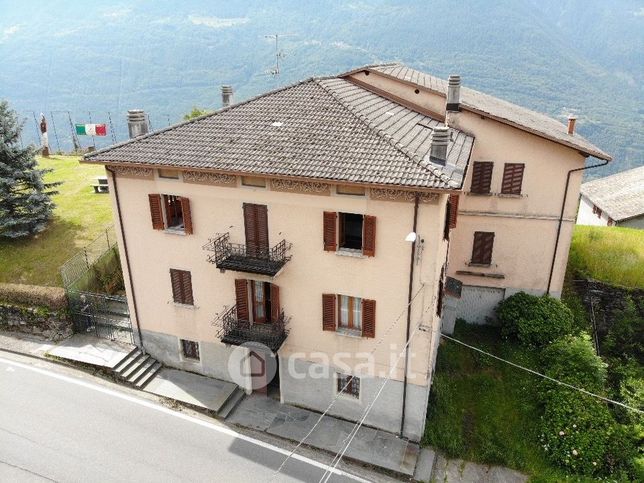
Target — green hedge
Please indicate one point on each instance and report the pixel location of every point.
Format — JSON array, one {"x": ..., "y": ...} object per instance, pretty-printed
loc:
[
  {"x": 534, "y": 321},
  {"x": 53, "y": 298}
]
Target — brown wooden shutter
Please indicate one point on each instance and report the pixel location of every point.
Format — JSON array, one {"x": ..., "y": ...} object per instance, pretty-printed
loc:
[
  {"x": 330, "y": 237},
  {"x": 241, "y": 296},
  {"x": 328, "y": 311},
  {"x": 482, "y": 247},
  {"x": 275, "y": 303},
  {"x": 175, "y": 280},
  {"x": 453, "y": 210},
  {"x": 369, "y": 236},
  {"x": 187, "y": 215},
  {"x": 481, "y": 177},
  {"x": 156, "y": 212},
  {"x": 368, "y": 318},
  {"x": 512, "y": 178},
  {"x": 262, "y": 229},
  {"x": 186, "y": 287},
  {"x": 256, "y": 228}
]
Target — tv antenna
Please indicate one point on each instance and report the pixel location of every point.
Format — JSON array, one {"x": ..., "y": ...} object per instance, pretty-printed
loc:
[{"x": 275, "y": 71}]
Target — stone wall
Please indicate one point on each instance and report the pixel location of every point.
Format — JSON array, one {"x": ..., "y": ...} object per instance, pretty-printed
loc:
[{"x": 52, "y": 325}]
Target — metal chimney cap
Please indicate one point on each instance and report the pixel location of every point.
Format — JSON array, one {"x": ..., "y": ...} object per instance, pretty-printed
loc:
[{"x": 454, "y": 80}]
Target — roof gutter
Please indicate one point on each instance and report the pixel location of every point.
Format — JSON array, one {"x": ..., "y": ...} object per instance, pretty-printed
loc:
[
  {"x": 561, "y": 215},
  {"x": 127, "y": 256}
]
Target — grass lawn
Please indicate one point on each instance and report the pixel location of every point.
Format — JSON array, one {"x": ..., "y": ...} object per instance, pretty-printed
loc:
[
  {"x": 610, "y": 254},
  {"x": 484, "y": 410},
  {"x": 79, "y": 217}
]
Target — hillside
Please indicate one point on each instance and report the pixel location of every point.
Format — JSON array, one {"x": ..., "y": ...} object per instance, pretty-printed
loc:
[{"x": 164, "y": 57}]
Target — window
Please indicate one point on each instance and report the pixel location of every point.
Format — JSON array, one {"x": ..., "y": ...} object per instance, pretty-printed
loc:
[
  {"x": 349, "y": 385},
  {"x": 451, "y": 214},
  {"x": 611, "y": 222},
  {"x": 349, "y": 312},
  {"x": 482, "y": 248},
  {"x": 181, "y": 281},
  {"x": 350, "y": 190},
  {"x": 258, "y": 302},
  {"x": 168, "y": 173},
  {"x": 254, "y": 181},
  {"x": 349, "y": 232},
  {"x": 256, "y": 230},
  {"x": 512, "y": 178},
  {"x": 170, "y": 212},
  {"x": 190, "y": 349},
  {"x": 481, "y": 177}
]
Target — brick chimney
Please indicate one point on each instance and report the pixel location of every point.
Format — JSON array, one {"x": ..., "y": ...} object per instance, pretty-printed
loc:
[
  {"x": 438, "y": 146},
  {"x": 453, "y": 93},
  {"x": 137, "y": 124},
  {"x": 572, "y": 119},
  {"x": 226, "y": 96}
]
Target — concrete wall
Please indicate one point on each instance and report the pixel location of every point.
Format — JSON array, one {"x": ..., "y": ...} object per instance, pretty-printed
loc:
[
  {"x": 636, "y": 222},
  {"x": 585, "y": 215},
  {"x": 318, "y": 392}
]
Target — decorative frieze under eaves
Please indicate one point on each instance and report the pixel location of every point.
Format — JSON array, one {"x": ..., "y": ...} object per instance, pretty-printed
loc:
[
  {"x": 202, "y": 177},
  {"x": 295, "y": 186},
  {"x": 391, "y": 194},
  {"x": 133, "y": 172}
]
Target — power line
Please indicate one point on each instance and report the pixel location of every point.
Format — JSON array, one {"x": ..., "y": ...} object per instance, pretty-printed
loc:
[
  {"x": 339, "y": 455},
  {"x": 588, "y": 393},
  {"x": 391, "y": 326}
]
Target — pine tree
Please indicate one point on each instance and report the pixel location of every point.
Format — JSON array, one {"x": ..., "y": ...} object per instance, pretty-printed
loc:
[{"x": 25, "y": 199}]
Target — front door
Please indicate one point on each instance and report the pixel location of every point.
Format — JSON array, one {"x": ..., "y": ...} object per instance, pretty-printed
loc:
[{"x": 256, "y": 228}]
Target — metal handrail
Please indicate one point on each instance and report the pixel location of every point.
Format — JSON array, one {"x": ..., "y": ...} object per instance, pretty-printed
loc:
[{"x": 222, "y": 248}]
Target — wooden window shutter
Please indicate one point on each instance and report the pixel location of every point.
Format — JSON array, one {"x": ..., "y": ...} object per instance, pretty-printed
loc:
[
  {"x": 453, "y": 210},
  {"x": 368, "y": 318},
  {"x": 481, "y": 177},
  {"x": 175, "y": 280},
  {"x": 187, "y": 215},
  {"x": 482, "y": 247},
  {"x": 261, "y": 214},
  {"x": 328, "y": 311},
  {"x": 156, "y": 212},
  {"x": 369, "y": 236},
  {"x": 186, "y": 287},
  {"x": 181, "y": 281},
  {"x": 512, "y": 178},
  {"x": 241, "y": 297},
  {"x": 275, "y": 302},
  {"x": 330, "y": 237}
]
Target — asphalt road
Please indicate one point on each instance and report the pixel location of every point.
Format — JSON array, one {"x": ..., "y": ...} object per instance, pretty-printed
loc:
[{"x": 55, "y": 425}]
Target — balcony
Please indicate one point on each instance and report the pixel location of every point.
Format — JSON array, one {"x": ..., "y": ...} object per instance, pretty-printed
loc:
[
  {"x": 232, "y": 330},
  {"x": 247, "y": 258}
]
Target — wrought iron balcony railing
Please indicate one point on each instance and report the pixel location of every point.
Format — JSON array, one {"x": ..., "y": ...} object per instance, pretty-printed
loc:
[
  {"x": 235, "y": 331},
  {"x": 247, "y": 258}
]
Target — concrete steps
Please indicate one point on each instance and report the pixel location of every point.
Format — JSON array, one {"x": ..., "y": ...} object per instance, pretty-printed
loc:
[
  {"x": 137, "y": 368},
  {"x": 231, "y": 403}
]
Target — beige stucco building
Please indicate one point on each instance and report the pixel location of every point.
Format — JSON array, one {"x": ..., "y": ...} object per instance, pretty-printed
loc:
[{"x": 316, "y": 220}]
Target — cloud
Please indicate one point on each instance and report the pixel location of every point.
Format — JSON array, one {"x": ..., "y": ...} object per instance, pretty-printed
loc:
[
  {"x": 118, "y": 13},
  {"x": 639, "y": 13},
  {"x": 216, "y": 22},
  {"x": 9, "y": 31}
]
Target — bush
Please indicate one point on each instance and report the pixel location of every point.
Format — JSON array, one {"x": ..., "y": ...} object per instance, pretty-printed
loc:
[
  {"x": 625, "y": 336},
  {"x": 53, "y": 298},
  {"x": 534, "y": 321},
  {"x": 579, "y": 432}
]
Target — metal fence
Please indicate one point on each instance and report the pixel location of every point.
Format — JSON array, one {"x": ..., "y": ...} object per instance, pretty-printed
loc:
[{"x": 78, "y": 265}]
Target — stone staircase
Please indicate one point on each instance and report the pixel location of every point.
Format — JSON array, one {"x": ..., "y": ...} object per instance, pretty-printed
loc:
[{"x": 137, "y": 368}]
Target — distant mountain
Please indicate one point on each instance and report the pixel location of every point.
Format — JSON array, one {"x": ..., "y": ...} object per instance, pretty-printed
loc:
[{"x": 555, "y": 56}]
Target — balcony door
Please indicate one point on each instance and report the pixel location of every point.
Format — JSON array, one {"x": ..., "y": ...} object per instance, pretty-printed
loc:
[
  {"x": 261, "y": 301},
  {"x": 256, "y": 228}
]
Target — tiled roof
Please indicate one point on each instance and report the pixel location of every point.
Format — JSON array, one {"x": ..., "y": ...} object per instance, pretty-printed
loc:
[
  {"x": 325, "y": 129},
  {"x": 499, "y": 109},
  {"x": 620, "y": 195}
]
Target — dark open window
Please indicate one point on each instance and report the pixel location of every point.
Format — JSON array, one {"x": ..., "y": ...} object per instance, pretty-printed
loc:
[
  {"x": 349, "y": 385},
  {"x": 173, "y": 211},
  {"x": 170, "y": 211},
  {"x": 351, "y": 231},
  {"x": 482, "y": 248},
  {"x": 190, "y": 349},
  {"x": 257, "y": 301}
]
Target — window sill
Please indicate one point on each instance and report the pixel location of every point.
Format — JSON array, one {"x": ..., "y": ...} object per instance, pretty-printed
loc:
[
  {"x": 509, "y": 195},
  {"x": 349, "y": 332},
  {"x": 184, "y": 306},
  {"x": 472, "y": 193},
  {"x": 348, "y": 397},
  {"x": 175, "y": 231},
  {"x": 481, "y": 265},
  {"x": 349, "y": 252}
]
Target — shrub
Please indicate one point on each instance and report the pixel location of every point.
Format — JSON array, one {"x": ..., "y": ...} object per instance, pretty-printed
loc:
[
  {"x": 34, "y": 295},
  {"x": 579, "y": 432},
  {"x": 625, "y": 336},
  {"x": 534, "y": 321}
]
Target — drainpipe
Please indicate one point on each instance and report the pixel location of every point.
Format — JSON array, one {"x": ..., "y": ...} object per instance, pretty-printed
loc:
[
  {"x": 411, "y": 282},
  {"x": 561, "y": 215},
  {"x": 127, "y": 256}
]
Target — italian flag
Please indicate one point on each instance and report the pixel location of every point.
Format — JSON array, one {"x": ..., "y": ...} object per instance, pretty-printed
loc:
[{"x": 91, "y": 129}]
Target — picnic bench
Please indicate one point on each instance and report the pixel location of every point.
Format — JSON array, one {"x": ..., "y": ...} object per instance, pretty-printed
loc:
[{"x": 101, "y": 185}]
